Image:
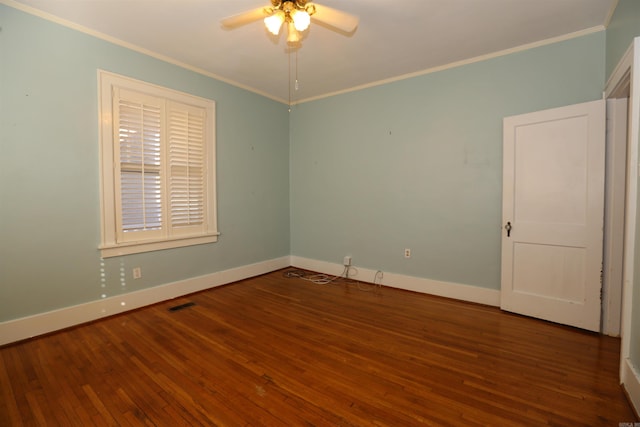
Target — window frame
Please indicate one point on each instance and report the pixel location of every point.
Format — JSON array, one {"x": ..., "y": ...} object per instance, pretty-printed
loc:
[{"x": 111, "y": 245}]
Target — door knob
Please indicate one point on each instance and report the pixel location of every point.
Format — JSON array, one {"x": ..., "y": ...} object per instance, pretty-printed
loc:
[{"x": 508, "y": 228}]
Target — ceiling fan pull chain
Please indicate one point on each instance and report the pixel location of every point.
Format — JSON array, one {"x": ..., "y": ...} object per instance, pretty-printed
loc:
[
  {"x": 289, "y": 75},
  {"x": 296, "y": 86}
]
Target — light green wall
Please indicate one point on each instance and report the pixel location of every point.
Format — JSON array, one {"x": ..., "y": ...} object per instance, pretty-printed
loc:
[
  {"x": 418, "y": 163},
  {"x": 624, "y": 26},
  {"x": 49, "y": 183}
]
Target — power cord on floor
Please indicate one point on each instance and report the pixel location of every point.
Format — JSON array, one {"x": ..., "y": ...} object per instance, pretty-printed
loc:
[
  {"x": 317, "y": 278},
  {"x": 376, "y": 285},
  {"x": 345, "y": 277}
]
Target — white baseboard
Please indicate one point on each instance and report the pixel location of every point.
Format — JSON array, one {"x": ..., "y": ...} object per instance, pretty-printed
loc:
[
  {"x": 39, "y": 324},
  {"x": 631, "y": 383},
  {"x": 427, "y": 286}
]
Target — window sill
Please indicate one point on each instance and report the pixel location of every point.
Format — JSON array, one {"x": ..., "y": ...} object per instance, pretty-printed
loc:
[{"x": 108, "y": 251}]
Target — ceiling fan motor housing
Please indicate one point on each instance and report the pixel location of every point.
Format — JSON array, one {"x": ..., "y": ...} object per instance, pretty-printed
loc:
[
  {"x": 288, "y": 5},
  {"x": 300, "y": 4}
]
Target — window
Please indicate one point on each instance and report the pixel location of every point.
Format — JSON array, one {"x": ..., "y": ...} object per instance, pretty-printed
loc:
[{"x": 157, "y": 151}]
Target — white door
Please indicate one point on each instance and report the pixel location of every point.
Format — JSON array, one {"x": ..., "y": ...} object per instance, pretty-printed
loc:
[{"x": 553, "y": 204}]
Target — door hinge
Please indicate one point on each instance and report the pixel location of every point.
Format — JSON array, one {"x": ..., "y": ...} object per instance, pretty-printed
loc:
[{"x": 601, "y": 281}]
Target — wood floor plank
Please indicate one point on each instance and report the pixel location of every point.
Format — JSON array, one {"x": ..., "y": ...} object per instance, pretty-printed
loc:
[
  {"x": 282, "y": 351},
  {"x": 8, "y": 402}
]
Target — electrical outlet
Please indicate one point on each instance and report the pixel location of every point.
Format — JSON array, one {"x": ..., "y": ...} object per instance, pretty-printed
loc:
[
  {"x": 137, "y": 272},
  {"x": 407, "y": 253},
  {"x": 346, "y": 261}
]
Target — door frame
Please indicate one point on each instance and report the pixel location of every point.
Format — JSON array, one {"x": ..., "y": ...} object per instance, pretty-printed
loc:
[
  {"x": 614, "y": 214},
  {"x": 627, "y": 72}
]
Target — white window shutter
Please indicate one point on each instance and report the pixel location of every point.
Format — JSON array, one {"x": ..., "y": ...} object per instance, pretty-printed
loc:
[
  {"x": 187, "y": 172},
  {"x": 139, "y": 127}
]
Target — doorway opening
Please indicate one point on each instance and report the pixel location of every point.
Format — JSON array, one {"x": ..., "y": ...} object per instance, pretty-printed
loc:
[{"x": 615, "y": 206}]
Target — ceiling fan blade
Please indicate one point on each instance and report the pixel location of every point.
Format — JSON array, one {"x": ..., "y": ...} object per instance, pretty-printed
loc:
[
  {"x": 342, "y": 21},
  {"x": 243, "y": 18}
]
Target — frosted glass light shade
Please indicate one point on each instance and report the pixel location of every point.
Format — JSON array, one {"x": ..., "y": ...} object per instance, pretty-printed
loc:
[
  {"x": 301, "y": 19},
  {"x": 274, "y": 22},
  {"x": 293, "y": 36}
]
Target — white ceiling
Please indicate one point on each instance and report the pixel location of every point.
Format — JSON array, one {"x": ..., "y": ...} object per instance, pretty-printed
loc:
[{"x": 395, "y": 38}]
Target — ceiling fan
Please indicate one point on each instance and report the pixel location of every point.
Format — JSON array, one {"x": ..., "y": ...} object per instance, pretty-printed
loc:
[{"x": 296, "y": 15}]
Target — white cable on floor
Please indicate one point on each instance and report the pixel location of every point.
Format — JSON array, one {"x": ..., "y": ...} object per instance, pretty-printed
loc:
[{"x": 325, "y": 279}]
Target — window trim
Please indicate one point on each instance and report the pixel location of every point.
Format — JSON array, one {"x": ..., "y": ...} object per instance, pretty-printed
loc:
[{"x": 109, "y": 245}]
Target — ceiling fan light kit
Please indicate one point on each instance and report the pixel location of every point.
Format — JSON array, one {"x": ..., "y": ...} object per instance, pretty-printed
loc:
[{"x": 297, "y": 15}]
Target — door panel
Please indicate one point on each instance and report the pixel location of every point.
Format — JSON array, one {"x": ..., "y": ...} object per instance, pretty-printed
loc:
[
  {"x": 549, "y": 271},
  {"x": 559, "y": 194},
  {"x": 553, "y": 198}
]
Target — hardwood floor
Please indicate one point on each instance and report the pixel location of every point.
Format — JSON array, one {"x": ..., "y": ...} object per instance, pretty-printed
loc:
[{"x": 279, "y": 351}]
